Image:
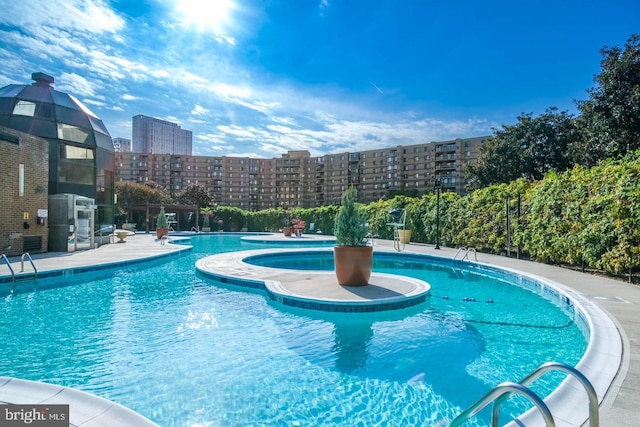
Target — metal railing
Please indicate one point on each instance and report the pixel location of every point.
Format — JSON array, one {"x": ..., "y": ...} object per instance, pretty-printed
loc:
[
  {"x": 465, "y": 255},
  {"x": 13, "y": 275},
  {"x": 507, "y": 388},
  {"x": 594, "y": 415},
  {"x": 30, "y": 260},
  {"x": 504, "y": 391}
]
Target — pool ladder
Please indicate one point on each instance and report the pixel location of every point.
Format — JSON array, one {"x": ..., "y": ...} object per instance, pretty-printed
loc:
[
  {"x": 466, "y": 253},
  {"x": 13, "y": 274},
  {"x": 503, "y": 392},
  {"x": 6, "y": 260},
  {"x": 26, "y": 254}
]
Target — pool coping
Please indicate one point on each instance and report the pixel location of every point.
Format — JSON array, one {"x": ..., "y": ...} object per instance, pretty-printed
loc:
[{"x": 85, "y": 409}]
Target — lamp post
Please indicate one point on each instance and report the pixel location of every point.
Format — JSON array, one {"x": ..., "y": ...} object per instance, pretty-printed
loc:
[{"x": 437, "y": 188}]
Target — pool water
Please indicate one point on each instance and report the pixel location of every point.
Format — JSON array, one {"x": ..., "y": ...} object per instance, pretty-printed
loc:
[{"x": 186, "y": 351}]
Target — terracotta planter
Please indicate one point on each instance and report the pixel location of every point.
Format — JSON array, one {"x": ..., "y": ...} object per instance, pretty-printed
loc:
[
  {"x": 161, "y": 232},
  {"x": 286, "y": 231},
  {"x": 353, "y": 264}
]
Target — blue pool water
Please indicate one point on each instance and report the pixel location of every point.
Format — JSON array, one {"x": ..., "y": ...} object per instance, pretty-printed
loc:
[{"x": 186, "y": 351}]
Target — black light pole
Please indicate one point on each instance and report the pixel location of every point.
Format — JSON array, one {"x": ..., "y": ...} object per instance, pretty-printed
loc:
[{"x": 437, "y": 187}]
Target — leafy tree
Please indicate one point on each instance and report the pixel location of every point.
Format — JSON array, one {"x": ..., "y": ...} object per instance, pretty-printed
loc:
[
  {"x": 194, "y": 195},
  {"x": 131, "y": 194},
  {"x": 479, "y": 219},
  {"x": 434, "y": 218},
  {"x": 610, "y": 119},
  {"x": 233, "y": 219},
  {"x": 528, "y": 149}
]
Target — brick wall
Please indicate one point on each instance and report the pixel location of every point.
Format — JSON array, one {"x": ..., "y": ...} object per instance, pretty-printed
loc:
[{"x": 33, "y": 152}]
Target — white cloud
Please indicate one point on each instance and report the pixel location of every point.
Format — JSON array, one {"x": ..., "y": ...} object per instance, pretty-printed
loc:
[
  {"x": 90, "y": 16},
  {"x": 76, "y": 84},
  {"x": 284, "y": 120},
  {"x": 226, "y": 39},
  {"x": 198, "y": 110},
  {"x": 128, "y": 97}
]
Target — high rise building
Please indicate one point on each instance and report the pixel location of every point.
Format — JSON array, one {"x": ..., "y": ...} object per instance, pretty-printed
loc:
[
  {"x": 156, "y": 136},
  {"x": 122, "y": 145},
  {"x": 298, "y": 180}
]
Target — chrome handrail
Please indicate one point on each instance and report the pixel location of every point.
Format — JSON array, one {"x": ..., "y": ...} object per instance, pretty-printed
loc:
[
  {"x": 501, "y": 393},
  {"x": 475, "y": 254},
  {"x": 30, "y": 260},
  {"x": 594, "y": 415},
  {"x": 466, "y": 253},
  {"x": 460, "y": 249},
  {"x": 13, "y": 275},
  {"x": 506, "y": 388}
]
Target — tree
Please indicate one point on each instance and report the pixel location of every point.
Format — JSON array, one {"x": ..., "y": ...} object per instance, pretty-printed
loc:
[
  {"x": 350, "y": 228},
  {"x": 132, "y": 194},
  {"x": 528, "y": 149},
  {"x": 610, "y": 119},
  {"x": 194, "y": 195}
]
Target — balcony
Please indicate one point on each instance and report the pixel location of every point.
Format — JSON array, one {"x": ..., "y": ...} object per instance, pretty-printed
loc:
[{"x": 449, "y": 147}]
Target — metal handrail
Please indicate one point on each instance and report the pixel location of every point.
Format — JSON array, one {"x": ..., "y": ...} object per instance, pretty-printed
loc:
[
  {"x": 466, "y": 253},
  {"x": 13, "y": 275},
  {"x": 506, "y": 388},
  {"x": 30, "y": 260},
  {"x": 163, "y": 239},
  {"x": 594, "y": 415},
  {"x": 475, "y": 254}
]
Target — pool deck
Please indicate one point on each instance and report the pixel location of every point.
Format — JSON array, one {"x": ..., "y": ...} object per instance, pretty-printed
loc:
[{"x": 618, "y": 299}]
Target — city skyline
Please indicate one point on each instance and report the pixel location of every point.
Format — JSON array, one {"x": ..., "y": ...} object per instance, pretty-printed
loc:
[{"x": 257, "y": 80}]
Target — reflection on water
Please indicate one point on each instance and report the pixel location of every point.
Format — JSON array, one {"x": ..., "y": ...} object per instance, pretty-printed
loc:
[
  {"x": 350, "y": 345},
  {"x": 413, "y": 346}
]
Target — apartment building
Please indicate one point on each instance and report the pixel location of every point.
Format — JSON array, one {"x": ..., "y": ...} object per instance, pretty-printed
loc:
[
  {"x": 155, "y": 136},
  {"x": 121, "y": 144},
  {"x": 298, "y": 180}
]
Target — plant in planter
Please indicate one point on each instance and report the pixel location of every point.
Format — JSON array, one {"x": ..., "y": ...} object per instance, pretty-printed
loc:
[
  {"x": 298, "y": 226},
  {"x": 352, "y": 255},
  {"x": 162, "y": 225},
  {"x": 286, "y": 225}
]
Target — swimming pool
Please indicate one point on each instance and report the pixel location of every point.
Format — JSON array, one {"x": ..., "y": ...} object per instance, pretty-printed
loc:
[{"x": 185, "y": 351}]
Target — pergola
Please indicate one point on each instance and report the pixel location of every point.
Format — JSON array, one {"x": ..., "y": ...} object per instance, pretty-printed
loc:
[{"x": 154, "y": 209}]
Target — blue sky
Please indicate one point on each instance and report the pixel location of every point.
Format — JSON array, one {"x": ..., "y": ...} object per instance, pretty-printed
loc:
[{"x": 258, "y": 78}]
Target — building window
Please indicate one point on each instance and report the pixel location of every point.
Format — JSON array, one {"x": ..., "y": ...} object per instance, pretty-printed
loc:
[
  {"x": 24, "y": 108},
  {"x": 72, "y": 133}
]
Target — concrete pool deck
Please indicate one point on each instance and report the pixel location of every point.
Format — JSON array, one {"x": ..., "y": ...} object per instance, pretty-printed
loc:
[{"x": 619, "y": 299}]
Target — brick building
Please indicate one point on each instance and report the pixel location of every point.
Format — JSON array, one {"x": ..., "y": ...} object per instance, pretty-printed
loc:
[{"x": 24, "y": 162}]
